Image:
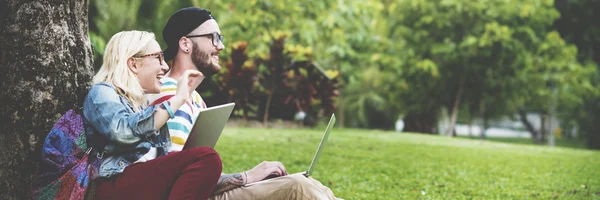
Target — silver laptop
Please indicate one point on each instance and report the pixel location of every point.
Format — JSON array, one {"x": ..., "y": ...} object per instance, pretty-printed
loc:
[
  {"x": 315, "y": 159},
  {"x": 208, "y": 126}
]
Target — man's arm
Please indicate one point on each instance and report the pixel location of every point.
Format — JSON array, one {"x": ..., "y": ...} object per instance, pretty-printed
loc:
[
  {"x": 229, "y": 182},
  {"x": 261, "y": 171}
]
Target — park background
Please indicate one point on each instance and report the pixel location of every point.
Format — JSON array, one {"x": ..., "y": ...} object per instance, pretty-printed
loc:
[{"x": 435, "y": 99}]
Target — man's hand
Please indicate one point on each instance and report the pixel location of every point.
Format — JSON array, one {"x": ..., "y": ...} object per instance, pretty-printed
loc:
[
  {"x": 261, "y": 171},
  {"x": 264, "y": 169}
]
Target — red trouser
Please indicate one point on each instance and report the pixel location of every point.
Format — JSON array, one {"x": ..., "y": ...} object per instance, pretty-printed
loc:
[{"x": 189, "y": 174}]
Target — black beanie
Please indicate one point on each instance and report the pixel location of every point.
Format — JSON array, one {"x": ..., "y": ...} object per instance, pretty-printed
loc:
[{"x": 180, "y": 24}]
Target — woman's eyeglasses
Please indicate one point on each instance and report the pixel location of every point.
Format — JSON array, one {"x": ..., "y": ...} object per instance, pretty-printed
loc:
[{"x": 159, "y": 55}]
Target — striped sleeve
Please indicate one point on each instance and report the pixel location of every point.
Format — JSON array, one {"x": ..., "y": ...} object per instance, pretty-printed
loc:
[
  {"x": 178, "y": 126},
  {"x": 198, "y": 101},
  {"x": 185, "y": 117},
  {"x": 167, "y": 91}
]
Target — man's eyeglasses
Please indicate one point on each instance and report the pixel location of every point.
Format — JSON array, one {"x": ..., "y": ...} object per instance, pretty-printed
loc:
[
  {"x": 216, "y": 38},
  {"x": 159, "y": 55}
]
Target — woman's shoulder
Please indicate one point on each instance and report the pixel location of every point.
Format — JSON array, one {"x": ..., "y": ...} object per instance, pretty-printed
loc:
[
  {"x": 103, "y": 85},
  {"x": 101, "y": 88}
]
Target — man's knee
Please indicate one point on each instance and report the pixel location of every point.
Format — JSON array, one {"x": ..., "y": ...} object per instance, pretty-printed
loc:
[
  {"x": 300, "y": 187},
  {"x": 297, "y": 181}
]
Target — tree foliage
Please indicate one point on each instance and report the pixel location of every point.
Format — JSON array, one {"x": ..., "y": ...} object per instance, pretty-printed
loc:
[
  {"x": 393, "y": 58},
  {"x": 578, "y": 25}
]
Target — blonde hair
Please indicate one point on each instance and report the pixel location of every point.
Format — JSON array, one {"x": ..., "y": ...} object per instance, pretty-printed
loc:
[{"x": 114, "y": 70}]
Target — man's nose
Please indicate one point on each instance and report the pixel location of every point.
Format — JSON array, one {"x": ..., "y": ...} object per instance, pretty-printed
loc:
[{"x": 221, "y": 46}]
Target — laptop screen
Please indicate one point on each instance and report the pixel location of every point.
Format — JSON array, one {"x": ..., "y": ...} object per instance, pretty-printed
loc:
[{"x": 311, "y": 168}]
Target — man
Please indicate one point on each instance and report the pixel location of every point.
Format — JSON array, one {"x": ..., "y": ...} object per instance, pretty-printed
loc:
[{"x": 194, "y": 41}]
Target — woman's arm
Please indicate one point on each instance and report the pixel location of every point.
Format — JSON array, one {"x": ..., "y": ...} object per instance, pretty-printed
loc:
[
  {"x": 104, "y": 110},
  {"x": 162, "y": 115},
  {"x": 185, "y": 87},
  {"x": 112, "y": 119}
]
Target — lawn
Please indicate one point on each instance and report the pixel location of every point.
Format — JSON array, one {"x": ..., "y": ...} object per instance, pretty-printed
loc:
[
  {"x": 578, "y": 143},
  {"x": 364, "y": 164}
]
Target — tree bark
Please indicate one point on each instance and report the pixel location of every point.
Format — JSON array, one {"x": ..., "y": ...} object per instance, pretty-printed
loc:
[
  {"x": 268, "y": 108},
  {"x": 543, "y": 130},
  {"x": 341, "y": 111},
  {"x": 46, "y": 63},
  {"x": 486, "y": 125},
  {"x": 534, "y": 133},
  {"x": 470, "y": 127},
  {"x": 424, "y": 122},
  {"x": 484, "y": 120},
  {"x": 451, "y": 131}
]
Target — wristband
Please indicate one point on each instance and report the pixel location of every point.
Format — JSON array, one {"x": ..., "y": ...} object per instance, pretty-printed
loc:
[{"x": 167, "y": 107}]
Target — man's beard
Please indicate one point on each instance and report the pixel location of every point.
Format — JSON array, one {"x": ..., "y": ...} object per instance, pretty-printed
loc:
[{"x": 203, "y": 62}]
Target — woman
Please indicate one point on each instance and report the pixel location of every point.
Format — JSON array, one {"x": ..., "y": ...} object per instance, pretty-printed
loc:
[{"x": 132, "y": 138}]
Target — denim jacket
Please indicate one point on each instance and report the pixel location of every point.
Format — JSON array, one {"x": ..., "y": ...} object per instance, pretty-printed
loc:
[{"x": 119, "y": 135}]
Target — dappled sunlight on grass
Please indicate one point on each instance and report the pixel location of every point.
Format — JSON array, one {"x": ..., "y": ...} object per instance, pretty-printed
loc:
[{"x": 365, "y": 164}]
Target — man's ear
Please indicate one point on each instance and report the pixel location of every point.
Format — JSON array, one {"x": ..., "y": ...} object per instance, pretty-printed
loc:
[
  {"x": 132, "y": 66},
  {"x": 185, "y": 45}
]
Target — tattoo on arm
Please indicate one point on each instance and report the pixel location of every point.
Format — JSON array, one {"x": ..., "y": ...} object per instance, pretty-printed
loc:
[{"x": 228, "y": 182}]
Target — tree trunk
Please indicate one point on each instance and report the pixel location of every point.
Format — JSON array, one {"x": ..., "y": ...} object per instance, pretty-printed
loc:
[
  {"x": 451, "y": 131},
  {"x": 46, "y": 63},
  {"x": 470, "y": 127},
  {"x": 341, "y": 111},
  {"x": 486, "y": 125},
  {"x": 268, "y": 108},
  {"x": 484, "y": 119},
  {"x": 551, "y": 115},
  {"x": 420, "y": 122},
  {"x": 543, "y": 131},
  {"x": 534, "y": 133},
  {"x": 550, "y": 132}
]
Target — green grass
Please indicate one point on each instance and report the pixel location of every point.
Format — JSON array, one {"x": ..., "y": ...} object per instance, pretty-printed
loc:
[
  {"x": 579, "y": 143},
  {"x": 363, "y": 164}
]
